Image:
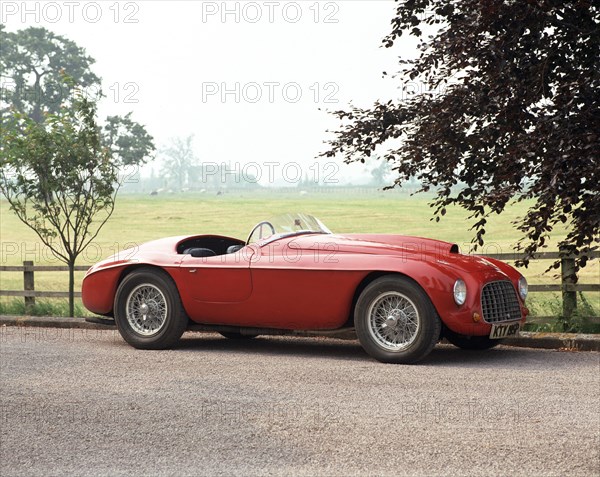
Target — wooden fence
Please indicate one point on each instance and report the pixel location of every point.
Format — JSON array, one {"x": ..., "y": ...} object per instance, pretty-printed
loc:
[
  {"x": 568, "y": 286},
  {"x": 29, "y": 292}
]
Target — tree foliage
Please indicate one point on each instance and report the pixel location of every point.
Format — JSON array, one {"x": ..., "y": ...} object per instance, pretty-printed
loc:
[
  {"x": 511, "y": 112},
  {"x": 59, "y": 179},
  {"x": 32, "y": 64},
  {"x": 127, "y": 140}
]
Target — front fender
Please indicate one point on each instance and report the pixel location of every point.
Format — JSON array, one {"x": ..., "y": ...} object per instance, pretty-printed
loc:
[{"x": 437, "y": 277}]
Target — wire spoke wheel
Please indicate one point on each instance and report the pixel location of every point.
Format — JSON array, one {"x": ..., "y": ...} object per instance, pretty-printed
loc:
[
  {"x": 146, "y": 309},
  {"x": 393, "y": 321}
]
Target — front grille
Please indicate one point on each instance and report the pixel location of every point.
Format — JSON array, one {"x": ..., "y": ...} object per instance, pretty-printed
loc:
[{"x": 499, "y": 302}]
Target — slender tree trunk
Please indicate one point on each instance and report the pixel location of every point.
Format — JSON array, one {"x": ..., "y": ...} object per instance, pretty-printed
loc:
[
  {"x": 36, "y": 114},
  {"x": 71, "y": 287}
]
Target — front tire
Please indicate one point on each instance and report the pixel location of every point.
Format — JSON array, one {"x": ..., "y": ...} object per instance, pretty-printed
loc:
[
  {"x": 395, "y": 321},
  {"x": 470, "y": 342},
  {"x": 148, "y": 310}
]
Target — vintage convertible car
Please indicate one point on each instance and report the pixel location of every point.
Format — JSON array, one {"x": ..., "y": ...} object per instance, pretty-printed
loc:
[{"x": 400, "y": 294}]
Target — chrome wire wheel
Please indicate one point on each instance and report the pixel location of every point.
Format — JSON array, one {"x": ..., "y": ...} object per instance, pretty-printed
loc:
[
  {"x": 394, "y": 321},
  {"x": 146, "y": 309}
]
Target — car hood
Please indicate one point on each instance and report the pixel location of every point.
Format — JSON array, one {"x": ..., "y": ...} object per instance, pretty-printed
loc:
[{"x": 405, "y": 246}]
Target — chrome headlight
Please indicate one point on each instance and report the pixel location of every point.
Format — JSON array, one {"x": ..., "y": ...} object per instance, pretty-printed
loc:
[
  {"x": 523, "y": 288},
  {"x": 460, "y": 292}
]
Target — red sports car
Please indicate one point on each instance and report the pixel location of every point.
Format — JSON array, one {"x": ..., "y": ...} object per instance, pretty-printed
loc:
[{"x": 401, "y": 294}]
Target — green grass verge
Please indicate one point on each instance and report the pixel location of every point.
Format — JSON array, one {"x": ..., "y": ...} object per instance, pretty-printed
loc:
[{"x": 54, "y": 307}]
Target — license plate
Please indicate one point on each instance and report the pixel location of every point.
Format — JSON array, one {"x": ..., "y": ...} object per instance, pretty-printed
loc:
[{"x": 506, "y": 330}]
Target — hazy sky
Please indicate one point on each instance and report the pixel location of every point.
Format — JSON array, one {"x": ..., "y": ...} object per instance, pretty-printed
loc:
[{"x": 246, "y": 78}]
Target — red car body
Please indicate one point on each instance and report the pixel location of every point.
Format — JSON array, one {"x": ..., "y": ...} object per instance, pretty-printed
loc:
[{"x": 305, "y": 282}]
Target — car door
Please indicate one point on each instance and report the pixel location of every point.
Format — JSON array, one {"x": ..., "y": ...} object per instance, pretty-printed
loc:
[
  {"x": 218, "y": 279},
  {"x": 300, "y": 289}
]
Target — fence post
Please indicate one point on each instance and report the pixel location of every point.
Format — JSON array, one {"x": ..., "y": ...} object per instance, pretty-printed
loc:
[
  {"x": 28, "y": 284},
  {"x": 567, "y": 277}
]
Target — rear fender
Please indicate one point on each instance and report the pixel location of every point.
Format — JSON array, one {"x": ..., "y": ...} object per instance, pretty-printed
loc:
[{"x": 99, "y": 287}]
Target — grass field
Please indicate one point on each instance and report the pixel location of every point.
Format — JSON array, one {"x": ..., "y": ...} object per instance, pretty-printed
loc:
[{"x": 141, "y": 218}]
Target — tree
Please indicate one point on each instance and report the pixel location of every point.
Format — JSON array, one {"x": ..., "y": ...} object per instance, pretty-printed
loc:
[
  {"x": 32, "y": 62},
  {"x": 380, "y": 172},
  {"x": 127, "y": 140},
  {"x": 33, "y": 66},
  {"x": 61, "y": 176},
  {"x": 67, "y": 209},
  {"x": 512, "y": 111},
  {"x": 51, "y": 142},
  {"x": 179, "y": 160}
]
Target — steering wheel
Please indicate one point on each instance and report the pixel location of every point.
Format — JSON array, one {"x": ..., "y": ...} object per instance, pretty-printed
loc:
[{"x": 259, "y": 227}]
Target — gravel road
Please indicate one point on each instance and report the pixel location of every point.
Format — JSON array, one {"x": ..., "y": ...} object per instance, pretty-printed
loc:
[{"x": 82, "y": 402}]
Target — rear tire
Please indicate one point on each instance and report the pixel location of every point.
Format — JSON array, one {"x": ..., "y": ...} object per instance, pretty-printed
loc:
[
  {"x": 395, "y": 320},
  {"x": 148, "y": 310},
  {"x": 470, "y": 342}
]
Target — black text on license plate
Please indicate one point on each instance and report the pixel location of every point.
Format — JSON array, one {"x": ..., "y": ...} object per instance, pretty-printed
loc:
[{"x": 505, "y": 331}]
